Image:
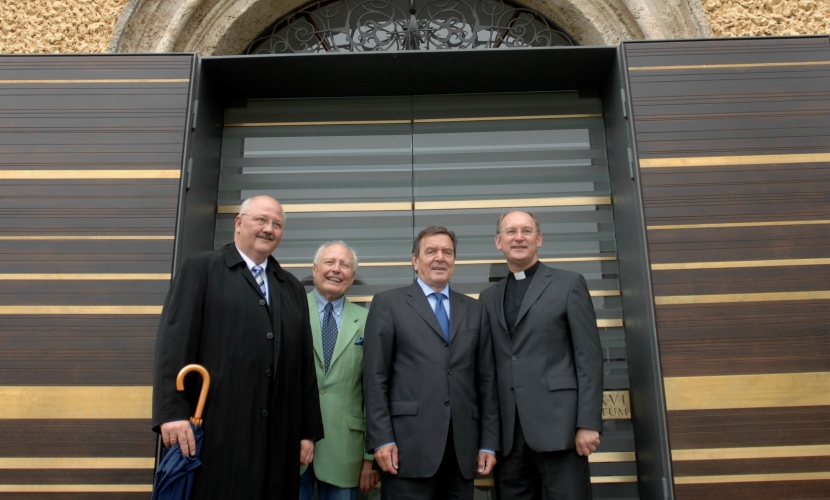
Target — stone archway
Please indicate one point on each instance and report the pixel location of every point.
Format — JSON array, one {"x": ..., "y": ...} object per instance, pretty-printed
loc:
[{"x": 225, "y": 27}]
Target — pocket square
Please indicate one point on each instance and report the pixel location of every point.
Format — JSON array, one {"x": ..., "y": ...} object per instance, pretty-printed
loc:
[{"x": 359, "y": 341}]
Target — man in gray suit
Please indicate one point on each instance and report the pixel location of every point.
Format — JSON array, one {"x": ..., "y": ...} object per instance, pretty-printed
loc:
[
  {"x": 549, "y": 370},
  {"x": 428, "y": 381}
]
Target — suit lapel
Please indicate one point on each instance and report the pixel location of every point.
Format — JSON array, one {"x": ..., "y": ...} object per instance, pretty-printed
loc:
[
  {"x": 418, "y": 301},
  {"x": 538, "y": 283},
  {"x": 458, "y": 309},
  {"x": 501, "y": 286},
  {"x": 345, "y": 336}
]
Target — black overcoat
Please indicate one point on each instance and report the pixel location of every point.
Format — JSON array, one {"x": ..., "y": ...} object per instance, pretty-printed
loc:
[{"x": 263, "y": 393}]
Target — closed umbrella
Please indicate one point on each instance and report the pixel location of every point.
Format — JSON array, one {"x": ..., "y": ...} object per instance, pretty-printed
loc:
[{"x": 174, "y": 475}]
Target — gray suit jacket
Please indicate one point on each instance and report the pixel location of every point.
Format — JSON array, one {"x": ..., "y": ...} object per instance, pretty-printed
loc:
[
  {"x": 550, "y": 370},
  {"x": 415, "y": 384}
]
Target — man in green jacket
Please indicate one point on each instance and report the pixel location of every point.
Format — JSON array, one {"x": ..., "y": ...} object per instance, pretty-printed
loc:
[{"x": 340, "y": 466}]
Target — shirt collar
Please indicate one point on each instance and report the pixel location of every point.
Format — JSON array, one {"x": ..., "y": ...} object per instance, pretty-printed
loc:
[
  {"x": 250, "y": 262},
  {"x": 429, "y": 291},
  {"x": 336, "y": 304}
]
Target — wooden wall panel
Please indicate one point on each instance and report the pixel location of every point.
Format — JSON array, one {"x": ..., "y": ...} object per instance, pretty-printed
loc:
[
  {"x": 731, "y": 137},
  {"x": 91, "y": 154}
]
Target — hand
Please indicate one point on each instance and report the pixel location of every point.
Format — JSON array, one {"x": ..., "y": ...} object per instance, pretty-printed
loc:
[
  {"x": 587, "y": 441},
  {"x": 387, "y": 458},
  {"x": 368, "y": 477},
  {"x": 306, "y": 451},
  {"x": 179, "y": 432},
  {"x": 486, "y": 461}
]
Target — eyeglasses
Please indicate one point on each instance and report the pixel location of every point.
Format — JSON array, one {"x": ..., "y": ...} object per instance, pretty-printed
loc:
[
  {"x": 512, "y": 231},
  {"x": 263, "y": 221}
]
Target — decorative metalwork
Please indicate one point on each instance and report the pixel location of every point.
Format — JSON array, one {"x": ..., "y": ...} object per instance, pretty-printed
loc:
[{"x": 393, "y": 25}]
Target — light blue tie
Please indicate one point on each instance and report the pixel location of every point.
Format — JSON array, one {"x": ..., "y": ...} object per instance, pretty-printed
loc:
[
  {"x": 260, "y": 280},
  {"x": 441, "y": 314},
  {"x": 329, "y": 331}
]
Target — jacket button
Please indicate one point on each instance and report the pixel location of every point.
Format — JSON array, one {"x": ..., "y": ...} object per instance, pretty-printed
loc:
[
  {"x": 446, "y": 403},
  {"x": 269, "y": 335},
  {"x": 322, "y": 391},
  {"x": 264, "y": 413},
  {"x": 449, "y": 371},
  {"x": 445, "y": 344},
  {"x": 262, "y": 302},
  {"x": 515, "y": 358},
  {"x": 267, "y": 373}
]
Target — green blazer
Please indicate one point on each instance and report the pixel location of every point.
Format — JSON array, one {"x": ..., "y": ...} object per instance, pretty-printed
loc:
[{"x": 339, "y": 456}]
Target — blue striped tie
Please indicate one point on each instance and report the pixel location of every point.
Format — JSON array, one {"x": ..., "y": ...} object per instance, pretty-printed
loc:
[
  {"x": 329, "y": 331},
  {"x": 441, "y": 314},
  {"x": 260, "y": 280}
]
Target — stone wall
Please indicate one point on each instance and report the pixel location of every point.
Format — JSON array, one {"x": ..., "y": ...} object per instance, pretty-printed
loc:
[
  {"x": 86, "y": 26},
  {"x": 57, "y": 26}
]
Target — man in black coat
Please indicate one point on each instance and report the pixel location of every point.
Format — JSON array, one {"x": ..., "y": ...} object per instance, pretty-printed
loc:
[
  {"x": 549, "y": 368},
  {"x": 429, "y": 389},
  {"x": 246, "y": 320}
]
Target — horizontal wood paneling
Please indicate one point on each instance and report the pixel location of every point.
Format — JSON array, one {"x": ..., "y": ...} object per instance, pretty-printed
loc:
[
  {"x": 91, "y": 153},
  {"x": 772, "y": 490},
  {"x": 741, "y": 428},
  {"x": 735, "y": 175}
]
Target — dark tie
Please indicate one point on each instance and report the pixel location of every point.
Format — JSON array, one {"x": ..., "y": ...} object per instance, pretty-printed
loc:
[
  {"x": 329, "y": 334},
  {"x": 260, "y": 280},
  {"x": 441, "y": 314}
]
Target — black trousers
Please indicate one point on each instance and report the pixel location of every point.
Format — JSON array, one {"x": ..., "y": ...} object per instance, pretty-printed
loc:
[
  {"x": 448, "y": 483},
  {"x": 525, "y": 474}
]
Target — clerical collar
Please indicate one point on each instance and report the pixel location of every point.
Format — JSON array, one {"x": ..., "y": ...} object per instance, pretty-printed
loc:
[{"x": 527, "y": 273}]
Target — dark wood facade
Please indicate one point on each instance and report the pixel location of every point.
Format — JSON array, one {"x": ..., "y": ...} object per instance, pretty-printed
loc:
[
  {"x": 91, "y": 151},
  {"x": 733, "y": 138},
  {"x": 723, "y": 234}
]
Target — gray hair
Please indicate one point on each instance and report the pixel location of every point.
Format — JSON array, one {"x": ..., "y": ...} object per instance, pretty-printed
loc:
[
  {"x": 431, "y": 231},
  {"x": 319, "y": 252},
  {"x": 532, "y": 216}
]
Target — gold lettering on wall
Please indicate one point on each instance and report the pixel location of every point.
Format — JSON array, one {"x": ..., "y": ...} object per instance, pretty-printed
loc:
[{"x": 616, "y": 405}]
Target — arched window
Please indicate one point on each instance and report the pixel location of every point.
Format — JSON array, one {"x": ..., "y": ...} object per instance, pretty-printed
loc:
[{"x": 393, "y": 25}]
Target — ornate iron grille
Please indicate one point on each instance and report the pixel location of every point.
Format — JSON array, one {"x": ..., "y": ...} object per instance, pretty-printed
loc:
[{"x": 392, "y": 25}]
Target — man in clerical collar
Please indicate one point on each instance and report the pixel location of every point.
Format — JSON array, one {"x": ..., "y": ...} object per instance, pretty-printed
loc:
[{"x": 549, "y": 370}]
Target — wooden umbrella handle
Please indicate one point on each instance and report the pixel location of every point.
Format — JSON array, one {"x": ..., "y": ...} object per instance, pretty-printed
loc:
[{"x": 197, "y": 417}]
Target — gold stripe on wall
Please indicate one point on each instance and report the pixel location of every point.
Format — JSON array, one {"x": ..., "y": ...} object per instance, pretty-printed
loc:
[
  {"x": 752, "y": 478},
  {"x": 740, "y": 297},
  {"x": 747, "y": 391},
  {"x": 722, "y": 161},
  {"x": 87, "y": 237},
  {"x": 76, "y": 463},
  {"x": 35, "y": 310},
  {"x": 488, "y": 482},
  {"x": 818, "y": 450},
  {"x": 76, "y": 488},
  {"x": 111, "y": 80},
  {"x": 725, "y": 66},
  {"x": 419, "y": 120},
  {"x": 76, "y": 402},
  {"x": 401, "y": 263},
  {"x": 739, "y": 263},
  {"x": 83, "y": 277},
  {"x": 88, "y": 174},
  {"x": 612, "y": 457},
  {"x": 565, "y": 201},
  {"x": 738, "y": 224}
]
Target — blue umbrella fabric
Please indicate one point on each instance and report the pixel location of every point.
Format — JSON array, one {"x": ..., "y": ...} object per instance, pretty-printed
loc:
[{"x": 174, "y": 475}]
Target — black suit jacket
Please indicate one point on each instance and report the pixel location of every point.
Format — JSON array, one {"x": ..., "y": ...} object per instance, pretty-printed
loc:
[
  {"x": 415, "y": 384},
  {"x": 550, "y": 370},
  {"x": 263, "y": 393}
]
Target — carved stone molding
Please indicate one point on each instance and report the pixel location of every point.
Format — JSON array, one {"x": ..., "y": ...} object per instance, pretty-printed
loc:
[{"x": 224, "y": 27}]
